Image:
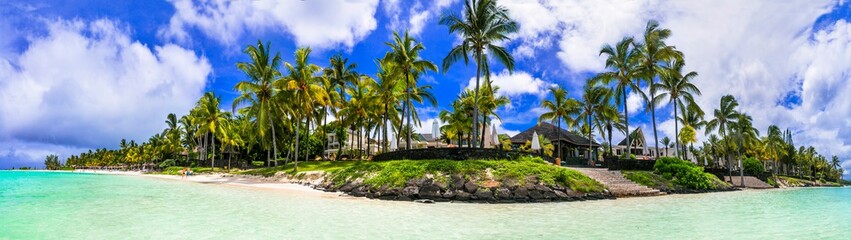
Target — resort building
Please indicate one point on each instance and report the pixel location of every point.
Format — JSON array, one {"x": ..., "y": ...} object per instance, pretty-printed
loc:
[
  {"x": 640, "y": 148},
  {"x": 573, "y": 145}
]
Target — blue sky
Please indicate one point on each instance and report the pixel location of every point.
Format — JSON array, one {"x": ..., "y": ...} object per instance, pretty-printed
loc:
[{"x": 77, "y": 75}]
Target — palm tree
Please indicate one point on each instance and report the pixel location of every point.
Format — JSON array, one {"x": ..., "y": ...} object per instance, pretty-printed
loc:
[
  {"x": 623, "y": 61},
  {"x": 341, "y": 74},
  {"x": 665, "y": 141},
  {"x": 559, "y": 108},
  {"x": 489, "y": 102},
  {"x": 724, "y": 116},
  {"x": 692, "y": 117},
  {"x": 405, "y": 54},
  {"x": 303, "y": 85},
  {"x": 747, "y": 135},
  {"x": 594, "y": 105},
  {"x": 774, "y": 145},
  {"x": 389, "y": 93},
  {"x": 679, "y": 89},
  {"x": 258, "y": 92},
  {"x": 654, "y": 54},
  {"x": 213, "y": 120},
  {"x": 483, "y": 25}
]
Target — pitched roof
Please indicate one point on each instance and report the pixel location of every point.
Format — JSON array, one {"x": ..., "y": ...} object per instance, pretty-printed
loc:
[
  {"x": 636, "y": 134},
  {"x": 552, "y": 133}
]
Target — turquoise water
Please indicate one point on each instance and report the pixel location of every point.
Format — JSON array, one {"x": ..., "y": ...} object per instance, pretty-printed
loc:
[{"x": 40, "y": 205}]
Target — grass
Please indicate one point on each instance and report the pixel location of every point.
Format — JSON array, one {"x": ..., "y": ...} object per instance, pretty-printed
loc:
[
  {"x": 648, "y": 179},
  {"x": 397, "y": 173},
  {"x": 195, "y": 170}
]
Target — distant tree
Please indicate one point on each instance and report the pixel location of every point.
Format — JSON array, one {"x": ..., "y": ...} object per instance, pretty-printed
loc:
[{"x": 51, "y": 162}]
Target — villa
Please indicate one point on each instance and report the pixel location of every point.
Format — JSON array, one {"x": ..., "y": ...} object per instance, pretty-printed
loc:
[
  {"x": 640, "y": 149},
  {"x": 573, "y": 146}
]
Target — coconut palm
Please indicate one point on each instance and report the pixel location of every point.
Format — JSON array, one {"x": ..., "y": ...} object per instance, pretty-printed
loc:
[
  {"x": 774, "y": 145},
  {"x": 594, "y": 105},
  {"x": 258, "y": 93},
  {"x": 622, "y": 60},
  {"x": 559, "y": 108},
  {"x": 306, "y": 93},
  {"x": 723, "y": 117},
  {"x": 389, "y": 92},
  {"x": 691, "y": 116},
  {"x": 483, "y": 25},
  {"x": 746, "y": 134},
  {"x": 489, "y": 102},
  {"x": 340, "y": 74},
  {"x": 212, "y": 120},
  {"x": 405, "y": 55},
  {"x": 678, "y": 89},
  {"x": 654, "y": 54}
]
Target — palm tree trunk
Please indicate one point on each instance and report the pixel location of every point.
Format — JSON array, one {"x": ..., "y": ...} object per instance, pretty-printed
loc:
[
  {"x": 274, "y": 141},
  {"x": 559, "y": 137},
  {"x": 342, "y": 128},
  {"x": 589, "y": 136},
  {"x": 297, "y": 137},
  {"x": 626, "y": 121},
  {"x": 307, "y": 147},
  {"x": 653, "y": 116},
  {"x": 213, "y": 143},
  {"x": 324, "y": 123},
  {"x": 484, "y": 130},
  {"x": 609, "y": 135},
  {"x": 384, "y": 142},
  {"x": 476, "y": 97},
  {"x": 676, "y": 132},
  {"x": 410, "y": 107}
]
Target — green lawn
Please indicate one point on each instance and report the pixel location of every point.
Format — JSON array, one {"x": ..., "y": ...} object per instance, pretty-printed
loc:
[{"x": 397, "y": 173}]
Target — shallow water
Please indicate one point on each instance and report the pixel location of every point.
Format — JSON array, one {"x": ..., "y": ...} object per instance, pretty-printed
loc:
[{"x": 39, "y": 205}]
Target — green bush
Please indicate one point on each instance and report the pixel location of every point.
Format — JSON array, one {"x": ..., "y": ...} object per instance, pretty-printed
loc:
[
  {"x": 684, "y": 173},
  {"x": 753, "y": 167},
  {"x": 167, "y": 163}
]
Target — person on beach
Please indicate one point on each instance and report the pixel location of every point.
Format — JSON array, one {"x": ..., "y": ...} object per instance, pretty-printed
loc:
[{"x": 183, "y": 173}]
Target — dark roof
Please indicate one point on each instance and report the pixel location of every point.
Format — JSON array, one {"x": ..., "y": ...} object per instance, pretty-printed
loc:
[
  {"x": 636, "y": 134},
  {"x": 552, "y": 132},
  {"x": 427, "y": 137}
]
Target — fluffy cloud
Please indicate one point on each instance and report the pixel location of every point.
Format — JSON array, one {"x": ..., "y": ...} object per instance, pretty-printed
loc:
[
  {"x": 87, "y": 85},
  {"x": 516, "y": 84},
  {"x": 320, "y": 24},
  {"x": 634, "y": 103},
  {"x": 419, "y": 13},
  {"x": 782, "y": 66}
]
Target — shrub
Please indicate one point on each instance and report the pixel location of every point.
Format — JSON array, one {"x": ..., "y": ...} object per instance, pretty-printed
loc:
[
  {"x": 167, "y": 163},
  {"x": 753, "y": 167},
  {"x": 684, "y": 173}
]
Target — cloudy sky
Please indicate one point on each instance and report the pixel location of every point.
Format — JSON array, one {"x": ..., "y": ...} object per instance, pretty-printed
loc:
[{"x": 77, "y": 75}]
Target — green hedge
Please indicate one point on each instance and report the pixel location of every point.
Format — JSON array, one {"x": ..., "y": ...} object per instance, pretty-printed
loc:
[
  {"x": 753, "y": 167},
  {"x": 684, "y": 173}
]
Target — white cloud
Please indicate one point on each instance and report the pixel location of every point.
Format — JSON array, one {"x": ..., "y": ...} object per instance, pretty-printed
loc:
[
  {"x": 634, "y": 103},
  {"x": 419, "y": 13},
  {"x": 516, "y": 84},
  {"x": 87, "y": 84},
  {"x": 319, "y": 24}
]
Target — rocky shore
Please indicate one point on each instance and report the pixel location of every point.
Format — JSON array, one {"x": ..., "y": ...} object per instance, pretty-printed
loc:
[{"x": 453, "y": 188}]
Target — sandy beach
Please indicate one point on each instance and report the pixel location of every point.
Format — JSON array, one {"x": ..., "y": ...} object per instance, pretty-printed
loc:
[{"x": 225, "y": 179}]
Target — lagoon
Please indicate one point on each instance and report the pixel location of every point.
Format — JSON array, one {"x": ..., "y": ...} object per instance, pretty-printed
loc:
[{"x": 39, "y": 205}]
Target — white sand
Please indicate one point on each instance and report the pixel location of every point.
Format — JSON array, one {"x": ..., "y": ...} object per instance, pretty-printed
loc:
[{"x": 226, "y": 180}]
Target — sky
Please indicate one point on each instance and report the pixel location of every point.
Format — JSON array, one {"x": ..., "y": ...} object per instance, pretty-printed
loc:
[{"x": 82, "y": 74}]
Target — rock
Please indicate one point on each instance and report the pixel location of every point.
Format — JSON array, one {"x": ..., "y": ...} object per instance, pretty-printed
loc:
[
  {"x": 449, "y": 194},
  {"x": 471, "y": 187},
  {"x": 462, "y": 195},
  {"x": 503, "y": 193},
  {"x": 535, "y": 194},
  {"x": 456, "y": 182},
  {"x": 411, "y": 192},
  {"x": 440, "y": 185},
  {"x": 424, "y": 201},
  {"x": 550, "y": 195},
  {"x": 403, "y": 198},
  {"x": 483, "y": 194},
  {"x": 510, "y": 182},
  {"x": 520, "y": 193},
  {"x": 429, "y": 191},
  {"x": 348, "y": 187},
  {"x": 561, "y": 195}
]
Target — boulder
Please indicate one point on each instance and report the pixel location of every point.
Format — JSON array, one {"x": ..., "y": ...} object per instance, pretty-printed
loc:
[
  {"x": 462, "y": 195},
  {"x": 535, "y": 194},
  {"x": 456, "y": 182},
  {"x": 483, "y": 194},
  {"x": 411, "y": 192},
  {"x": 449, "y": 194},
  {"x": 348, "y": 187},
  {"x": 429, "y": 191},
  {"x": 503, "y": 193},
  {"x": 520, "y": 193},
  {"x": 470, "y": 187}
]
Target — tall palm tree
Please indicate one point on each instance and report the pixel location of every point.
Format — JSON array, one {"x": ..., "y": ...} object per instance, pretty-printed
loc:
[
  {"x": 723, "y": 118},
  {"x": 774, "y": 145},
  {"x": 654, "y": 54},
  {"x": 594, "y": 105},
  {"x": 489, "y": 102},
  {"x": 679, "y": 89},
  {"x": 213, "y": 120},
  {"x": 405, "y": 55},
  {"x": 559, "y": 108},
  {"x": 303, "y": 85},
  {"x": 692, "y": 117},
  {"x": 482, "y": 26},
  {"x": 622, "y": 60},
  {"x": 389, "y": 93},
  {"x": 258, "y": 93},
  {"x": 341, "y": 73}
]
